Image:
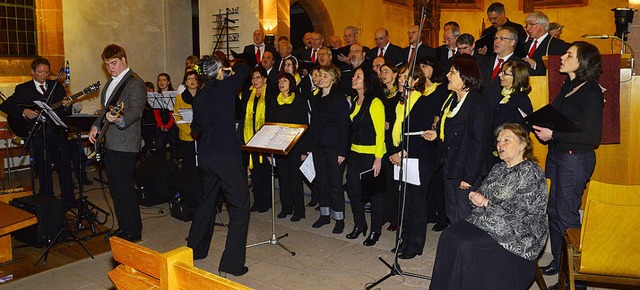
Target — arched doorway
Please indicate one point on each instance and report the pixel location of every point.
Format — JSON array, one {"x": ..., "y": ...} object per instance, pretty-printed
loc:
[{"x": 306, "y": 16}]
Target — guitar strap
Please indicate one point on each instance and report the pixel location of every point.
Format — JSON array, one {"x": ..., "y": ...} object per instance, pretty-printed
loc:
[{"x": 117, "y": 96}]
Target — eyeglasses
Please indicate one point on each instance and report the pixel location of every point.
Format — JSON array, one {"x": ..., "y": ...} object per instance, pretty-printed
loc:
[
  {"x": 505, "y": 74},
  {"x": 502, "y": 38},
  {"x": 527, "y": 25}
]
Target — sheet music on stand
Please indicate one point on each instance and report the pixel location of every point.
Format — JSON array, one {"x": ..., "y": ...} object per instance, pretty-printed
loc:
[
  {"x": 184, "y": 116},
  {"x": 163, "y": 101},
  {"x": 277, "y": 138},
  {"x": 49, "y": 112}
]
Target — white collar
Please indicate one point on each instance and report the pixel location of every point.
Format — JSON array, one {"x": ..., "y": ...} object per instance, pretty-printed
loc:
[
  {"x": 121, "y": 75},
  {"x": 541, "y": 38}
]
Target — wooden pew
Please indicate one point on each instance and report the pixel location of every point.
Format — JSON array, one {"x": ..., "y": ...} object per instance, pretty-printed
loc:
[
  {"x": 12, "y": 219},
  {"x": 142, "y": 268}
]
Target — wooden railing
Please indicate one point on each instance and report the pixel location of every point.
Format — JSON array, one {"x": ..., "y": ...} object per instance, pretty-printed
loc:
[{"x": 142, "y": 268}]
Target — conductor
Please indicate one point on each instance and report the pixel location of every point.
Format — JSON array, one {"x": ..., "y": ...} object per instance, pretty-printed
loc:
[{"x": 220, "y": 164}]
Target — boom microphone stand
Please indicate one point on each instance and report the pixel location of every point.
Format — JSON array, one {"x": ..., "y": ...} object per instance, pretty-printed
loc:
[{"x": 394, "y": 269}]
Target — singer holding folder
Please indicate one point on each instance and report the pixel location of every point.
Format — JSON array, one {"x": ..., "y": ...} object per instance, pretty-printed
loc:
[
  {"x": 571, "y": 158},
  {"x": 367, "y": 149}
]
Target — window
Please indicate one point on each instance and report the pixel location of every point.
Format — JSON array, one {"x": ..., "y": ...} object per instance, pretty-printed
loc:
[{"x": 18, "y": 28}]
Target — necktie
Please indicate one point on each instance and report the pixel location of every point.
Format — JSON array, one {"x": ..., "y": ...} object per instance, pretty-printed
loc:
[
  {"x": 496, "y": 69},
  {"x": 452, "y": 53},
  {"x": 533, "y": 48},
  {"x": 44, "y": 91},
  {"x": 381, "y": 54},
  {"x": 258, "y": 54},
  {"x": 413, "y": 50},
  {"x": 313, "y": 55}
]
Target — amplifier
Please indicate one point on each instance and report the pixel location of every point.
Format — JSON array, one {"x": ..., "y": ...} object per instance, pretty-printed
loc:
[
  {"x": 50, "y": 216},
  {"x": 181, "y": 211}
]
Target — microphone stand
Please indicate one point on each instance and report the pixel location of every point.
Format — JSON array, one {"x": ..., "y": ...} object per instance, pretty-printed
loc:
[
  {"x": 551, "y": 38},
  {"x": 402, "y": 189}
]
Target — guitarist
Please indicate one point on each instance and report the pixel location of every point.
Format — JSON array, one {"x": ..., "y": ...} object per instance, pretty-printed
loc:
[
  {"x": 122, "y": 138},
  {"x": 21, "y": 106}
]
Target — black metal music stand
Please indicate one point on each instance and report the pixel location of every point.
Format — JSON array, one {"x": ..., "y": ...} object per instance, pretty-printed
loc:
[
  {"x": 275, "y": 138},
  {"x": 87, "y": 211},
  {"x": 45, "y": 113}
]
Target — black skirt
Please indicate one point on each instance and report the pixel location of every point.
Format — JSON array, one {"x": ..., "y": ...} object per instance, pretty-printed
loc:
[{"x": 469, "y": 258}]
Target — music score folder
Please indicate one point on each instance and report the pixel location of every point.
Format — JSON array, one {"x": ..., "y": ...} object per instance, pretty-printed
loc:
[{"x": 549, "y": 117}]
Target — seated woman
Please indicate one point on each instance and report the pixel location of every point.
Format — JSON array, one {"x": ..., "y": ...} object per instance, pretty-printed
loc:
[{"x": 497, "y": 246}]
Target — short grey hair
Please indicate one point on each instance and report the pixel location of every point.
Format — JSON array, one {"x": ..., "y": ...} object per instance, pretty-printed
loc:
[{"x": 540, "y": 18}]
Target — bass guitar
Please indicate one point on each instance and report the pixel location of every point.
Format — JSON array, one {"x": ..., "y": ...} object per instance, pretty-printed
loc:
[
  {"x": 115, "y": 111},
  {"x": 21, "y": 126}
]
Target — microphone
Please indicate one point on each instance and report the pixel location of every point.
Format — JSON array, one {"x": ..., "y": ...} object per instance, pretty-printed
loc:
[{"x": 67, "y": 81}]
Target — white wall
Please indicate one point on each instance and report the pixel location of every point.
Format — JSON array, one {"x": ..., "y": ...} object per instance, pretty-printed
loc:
[
  {"x": 155, "y": 33},
  {"x": 248, "y": 23}
]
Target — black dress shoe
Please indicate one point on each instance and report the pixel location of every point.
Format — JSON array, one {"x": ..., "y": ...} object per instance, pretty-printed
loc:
[
  {"x": 356, "y": 233},
  {"x": 131, "y": 238},
  {"x": 438, "y": 227},
  {"x": 566, "y": 286},
  {"x": 407, "y": 255},
  {"x": 371, "y": 239},
  {"x": 549, "y": 270},
  {"x": 282, "y": 215},
  {"x": 312, "y": 203},
  {"x": 115, "y": 233},
  {"x": 296, "y": 218},
  {"x": 401, "y": 248},
  {"x": 338, "y": 228},
  {"x": 244, "y": 270},
  {"x": 322, "y": 220}
]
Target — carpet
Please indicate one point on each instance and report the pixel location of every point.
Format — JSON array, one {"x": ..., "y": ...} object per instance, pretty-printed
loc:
[{"x": 65, "y": 251}]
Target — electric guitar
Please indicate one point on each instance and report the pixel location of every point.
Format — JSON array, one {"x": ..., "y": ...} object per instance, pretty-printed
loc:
[
  {"x": 21, "y": 126},
  {"x": 115, "y": 111}
]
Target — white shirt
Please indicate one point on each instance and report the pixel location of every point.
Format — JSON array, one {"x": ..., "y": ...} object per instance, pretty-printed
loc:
[
  {"x": 384, "y": 50},
  {"x": 114, "y": 83},
  {"x": 38, "y": 86},
  {"x": 505, "y": 58},
  {"x": 540, "y": 39},
  {"x": 255, "y": 49}
]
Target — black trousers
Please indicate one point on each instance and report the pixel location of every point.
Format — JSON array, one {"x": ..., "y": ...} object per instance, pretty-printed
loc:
[
  {"x": 358, "y": 163},
  {"x": 414, "y": 224},
  {"x": 187, "y": 152},
  {"x": 329, "y": 182},
  {"x": 164, "y": 137},
  {"x": 57, "y": 153},
  {"x": 261, "y": 176},
  {"x": 228, "y": 174},
  {"x": 290, "y": 182},
  {"x": 390, "y": 198},
  {"x": 569, "y": 174},
  {"x": 458, "y": 206},
  {"x": 120, "y": 167},
  {"x": 435, "y": 200}
]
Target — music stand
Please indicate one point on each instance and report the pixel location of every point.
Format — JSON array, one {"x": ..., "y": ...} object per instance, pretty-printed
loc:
[
  {"x": 46, "y": 111},
  {"x": 275, "y": 138},
  {"x": 86, "y": 210}
]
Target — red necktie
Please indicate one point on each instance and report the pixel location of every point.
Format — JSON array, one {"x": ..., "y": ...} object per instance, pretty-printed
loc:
[
  {"x": 258, "y": 54},
  {"x": 496, "y": 69},
  {"x": 453, "y": 52},
  {"x": 381, "y": 54},
  {"x": 313, "y": 55},
  {"x": 533, "y": 48},
  {"x": 413, "y": 50},
  {"x": 44, "y": 91}
]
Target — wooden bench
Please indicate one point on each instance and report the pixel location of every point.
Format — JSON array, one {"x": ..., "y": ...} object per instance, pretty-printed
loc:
[
  {"x": 142, "y": 268},
  {"x": 12, "y": 219}
]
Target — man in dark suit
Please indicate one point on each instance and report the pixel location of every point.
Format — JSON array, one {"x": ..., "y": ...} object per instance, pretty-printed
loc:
[
  {"x": 252, "y": 53},
  {"x": 284, "y": 49},
  {"x": 21, "y": 107},
  {"x": 498, "y": 18},
  {"x": 384, "y": 48},
  {"x": 539, "y": 40},
  {"x": 465, "y": 43},
  {"x": 122, "y": 138},
  {"x": 416, "y": 48},
  {"x": 445, "y": 52},
  {"x": 272, "y": 72},
  {"x": 504, "y": 44},
  {"x": 309, "y": 58}
]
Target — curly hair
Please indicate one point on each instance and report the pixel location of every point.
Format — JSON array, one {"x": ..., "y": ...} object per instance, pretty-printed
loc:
[{"x": 523, "y": 136}]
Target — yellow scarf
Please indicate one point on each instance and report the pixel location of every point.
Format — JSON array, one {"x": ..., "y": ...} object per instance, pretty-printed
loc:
[
  {"x": 297, "y": 78},
  {"x": 396, "y": 133},
  {"x": 251, "y": 127},
  {"x": 392, "y": 92},
  {"x": 447, "y": 113},
  {"x": 506, "y": 93},
  {"x": 283, "y": 100}
]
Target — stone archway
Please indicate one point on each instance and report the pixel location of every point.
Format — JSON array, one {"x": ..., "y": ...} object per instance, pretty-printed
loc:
[{"x": 319, "y": 16}]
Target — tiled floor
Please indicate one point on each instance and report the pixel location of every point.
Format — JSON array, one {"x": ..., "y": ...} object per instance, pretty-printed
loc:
[{"x": 323, "y": 260}]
